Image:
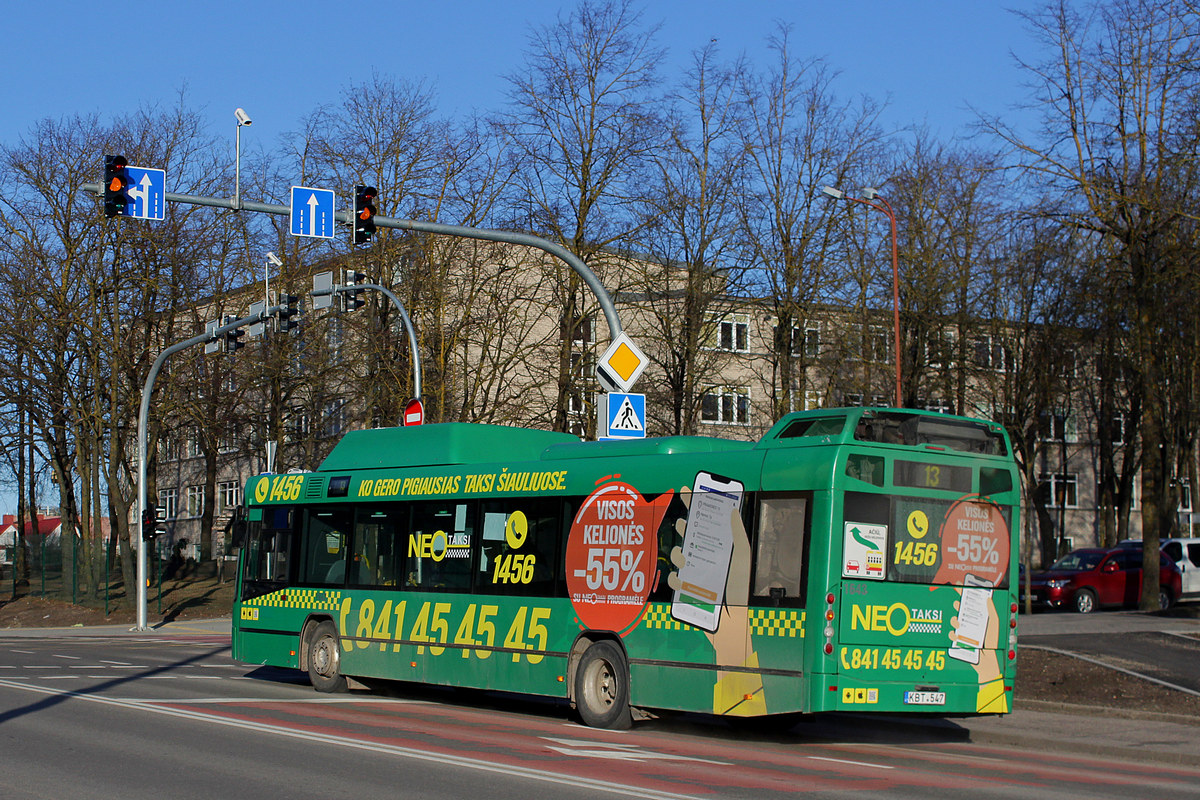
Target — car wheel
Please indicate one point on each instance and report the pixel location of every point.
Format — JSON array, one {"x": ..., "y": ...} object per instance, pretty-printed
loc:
[
  {"x": 1164, "y": 599},
  {"x": 1085, "y": 601}
]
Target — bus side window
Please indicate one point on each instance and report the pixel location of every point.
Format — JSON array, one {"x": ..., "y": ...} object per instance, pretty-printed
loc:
[
  {"x": 325, "y": 546},
  {"x": 438, "y": 545},
  {"x": 780, "y": 548},
  {"x": 519, "y": 550},
  {"x": 378, "y": 545}
]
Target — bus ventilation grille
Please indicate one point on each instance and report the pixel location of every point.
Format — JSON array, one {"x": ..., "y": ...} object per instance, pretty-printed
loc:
[{"x": 314, "y": 489}]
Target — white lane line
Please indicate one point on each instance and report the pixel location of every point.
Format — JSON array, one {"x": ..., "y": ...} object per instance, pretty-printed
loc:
[
  {"x": 69, "y": 658},
  {"x": 340, "y": 740},
  {"x": 851, "y": 763}
]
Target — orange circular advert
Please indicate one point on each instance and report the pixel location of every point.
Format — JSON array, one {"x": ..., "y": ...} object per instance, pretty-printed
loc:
[
  {"x": 612, "y": 554},
  {"x": 975, "y": 541}
]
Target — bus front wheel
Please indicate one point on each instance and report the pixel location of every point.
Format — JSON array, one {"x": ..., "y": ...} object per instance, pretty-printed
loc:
[
  {"x": 602, "y": 687},
  {"x": 325, "y": 660}
]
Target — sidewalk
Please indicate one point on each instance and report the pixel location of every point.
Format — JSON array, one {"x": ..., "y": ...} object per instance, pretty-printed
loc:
[
  {"x": 1093, "y": 731},
  {"x": 187, "y": 627}
]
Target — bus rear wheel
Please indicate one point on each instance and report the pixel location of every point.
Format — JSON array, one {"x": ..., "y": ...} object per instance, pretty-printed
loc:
[
  {"x": 325, "y": 660},
  {"x": 602, "y": 687}
]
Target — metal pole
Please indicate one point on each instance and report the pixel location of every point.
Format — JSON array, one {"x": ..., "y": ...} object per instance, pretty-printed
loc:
[
  {"x": 895, "y": 297},
  {"x": 507, "y": 237},
  {"x": 143, "y": 417},
  {"x": 886, "y": 208},
  {"x": 408, "y": 326}
]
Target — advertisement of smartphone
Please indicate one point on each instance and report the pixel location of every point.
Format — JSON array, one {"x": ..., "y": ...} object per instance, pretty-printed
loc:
[
  {"x": 707, "y": 550},
  {"x": 972, "y": 620}
]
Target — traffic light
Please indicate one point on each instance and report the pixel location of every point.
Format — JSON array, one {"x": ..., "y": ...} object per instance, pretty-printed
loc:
[
  {"x": 353, "y": 300},
  {"x": 115, "y": 181},
  {"x": 233, "y": 338},
  {"x": 149, "y": 524},
  {"x": 289, "y": 313},
  {"x": 364, "y": 213}
]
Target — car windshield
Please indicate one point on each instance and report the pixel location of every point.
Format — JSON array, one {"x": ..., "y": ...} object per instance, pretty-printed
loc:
[{"x": 1078, "y": 561}]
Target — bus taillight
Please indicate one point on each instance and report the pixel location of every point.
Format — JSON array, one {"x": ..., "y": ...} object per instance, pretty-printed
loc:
[{"x": 829, "y": 600}]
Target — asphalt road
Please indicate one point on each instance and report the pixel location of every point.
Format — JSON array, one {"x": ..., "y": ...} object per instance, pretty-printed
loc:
[{"x": 170, "y": 715}]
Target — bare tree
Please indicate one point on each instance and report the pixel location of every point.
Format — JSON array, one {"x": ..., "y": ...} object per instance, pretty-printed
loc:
[
  {"x": 690, "y": 237},
  {"x": 799, "y": 137},
  {"x": 580, "y": 126},
  {"x": 1118, "y": 100}
]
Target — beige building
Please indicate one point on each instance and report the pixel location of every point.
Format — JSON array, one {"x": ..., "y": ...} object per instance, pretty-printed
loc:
[{"x": 493, "y": 337}]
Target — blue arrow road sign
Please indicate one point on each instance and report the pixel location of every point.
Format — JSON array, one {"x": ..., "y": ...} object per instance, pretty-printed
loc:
[
  {"x": 147, "y": 193},
  {"x": 312, "y": 212},
  {"x": 626, "y": 416}
]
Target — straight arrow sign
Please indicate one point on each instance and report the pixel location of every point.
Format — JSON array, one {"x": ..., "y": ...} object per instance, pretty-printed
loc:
[{"x": 312, "y": 212}]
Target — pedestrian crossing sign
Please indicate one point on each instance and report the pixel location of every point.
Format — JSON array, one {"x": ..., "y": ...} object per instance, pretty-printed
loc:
[{"x": 624, "y": 416}]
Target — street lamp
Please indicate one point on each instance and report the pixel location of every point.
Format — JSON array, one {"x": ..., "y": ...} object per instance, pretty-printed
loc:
[
  {"x": 872, "y": 198},
  {"x": 243, "y": 119}
]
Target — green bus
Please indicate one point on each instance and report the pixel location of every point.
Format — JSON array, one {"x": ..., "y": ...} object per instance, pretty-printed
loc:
[{"x": 852, "y": 559}]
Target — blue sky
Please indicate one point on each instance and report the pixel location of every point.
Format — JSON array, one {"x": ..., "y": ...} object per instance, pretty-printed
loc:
[
  {"x": 280, "y": 60},
  {"x": 930, "y": 59}
]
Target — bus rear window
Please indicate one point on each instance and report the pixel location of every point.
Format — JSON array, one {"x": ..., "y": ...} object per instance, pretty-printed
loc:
[
  {"x": 915, "y": 430},
  {"x": 821, "y": 426}
]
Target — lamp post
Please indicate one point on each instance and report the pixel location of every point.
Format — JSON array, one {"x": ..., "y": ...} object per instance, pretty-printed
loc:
[
  {"x": 243, "y": 120},
  {"x": 872, "y": 198}
]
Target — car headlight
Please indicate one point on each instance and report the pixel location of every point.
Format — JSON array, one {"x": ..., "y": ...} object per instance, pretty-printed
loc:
[{"x": 1058, "y": 583}]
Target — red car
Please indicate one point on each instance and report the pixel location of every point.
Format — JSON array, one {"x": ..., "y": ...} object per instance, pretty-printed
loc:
[{"x": 1092, "y": 577}]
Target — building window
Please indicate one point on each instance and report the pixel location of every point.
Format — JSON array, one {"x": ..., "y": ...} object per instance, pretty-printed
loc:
[
  {"x": 168, "y": 448},
  {"x": 1064, "y": 490},
  {"x": 939, "y": 349},
  {"x": 333, "y": 418},
  {"x": 195, "y": 501},
  {"x": 1061, "y": 427},
  {"x": 229, "y": 497},
  {"x": 729, "y": 406},
  {"x": 938, "y": 404},
  {"x": 732, "y": 333},
  {"x": 195, "y": 447},
  {"x": 992, "y": 353},
  {"x": 227, "y": 443},
  {"x": 580, "y": 330},
  {"x": 298, "y": 426},
  {"x": 169, "y": 500}
]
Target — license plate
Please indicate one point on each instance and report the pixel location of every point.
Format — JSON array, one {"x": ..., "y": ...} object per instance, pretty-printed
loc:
[{"x": 925, "y": 698}]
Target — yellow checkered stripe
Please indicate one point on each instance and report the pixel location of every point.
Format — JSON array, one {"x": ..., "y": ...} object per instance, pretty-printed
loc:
[
  {"x": 658, "y": 616},
  {"x": 776, "y": 622},
  {"x": 314, "y": 599}
]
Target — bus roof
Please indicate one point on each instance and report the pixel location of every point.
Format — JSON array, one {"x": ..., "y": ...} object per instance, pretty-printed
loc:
[{"x": 471, "y": 443}]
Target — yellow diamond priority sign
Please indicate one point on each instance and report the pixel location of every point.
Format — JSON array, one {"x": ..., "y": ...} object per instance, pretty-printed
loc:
[{"x": 621, "y": 365}]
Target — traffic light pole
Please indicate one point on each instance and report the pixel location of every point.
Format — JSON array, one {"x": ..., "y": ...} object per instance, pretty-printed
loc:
[
  {"x": 143, "y": 416},
  {"x": 484, "y": 234},
  {"x": 408, "y": 326}
]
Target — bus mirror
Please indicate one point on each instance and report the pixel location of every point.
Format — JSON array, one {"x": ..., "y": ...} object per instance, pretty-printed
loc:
[{"x": 237, "y": 527}]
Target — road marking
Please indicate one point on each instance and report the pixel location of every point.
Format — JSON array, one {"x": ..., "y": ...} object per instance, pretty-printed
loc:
[
  {"x": 851, "y": 763},
  {"x": 440, "y": 759},
  {"x": 617, "y": 752}
]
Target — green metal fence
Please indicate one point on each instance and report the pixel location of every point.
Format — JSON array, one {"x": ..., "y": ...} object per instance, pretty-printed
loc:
[{"x": 91, "y": 575}]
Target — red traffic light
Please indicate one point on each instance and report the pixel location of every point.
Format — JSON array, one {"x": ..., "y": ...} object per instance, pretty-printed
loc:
[
  {"x": 115, "y": 182},
  {"x": 364, "y": 213}
]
